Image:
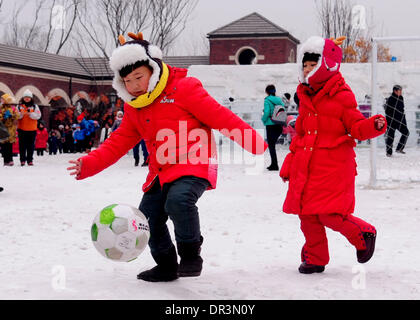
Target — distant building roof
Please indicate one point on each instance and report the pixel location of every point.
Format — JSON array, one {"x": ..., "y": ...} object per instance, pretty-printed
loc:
[
  {"x": 11, "y": 56},
  {"x": 84, "y": 68},
  {"x": 186, "y": 61},
  {"x": 97, "y": 68},
  {"x": 254, "y": 25}
]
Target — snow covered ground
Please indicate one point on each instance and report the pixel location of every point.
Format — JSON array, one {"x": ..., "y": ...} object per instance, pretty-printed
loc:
[{"x": 251, "y": 249}]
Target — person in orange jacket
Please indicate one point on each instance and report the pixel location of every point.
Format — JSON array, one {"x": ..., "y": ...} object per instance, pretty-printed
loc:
[
  {"x": 174, "y": 114},
  {"x": 321, "y": 166},
  {"x": 29, "y": 114}
]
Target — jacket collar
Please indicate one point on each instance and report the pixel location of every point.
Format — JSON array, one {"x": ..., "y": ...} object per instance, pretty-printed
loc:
[{"x": 310, "y": 98}]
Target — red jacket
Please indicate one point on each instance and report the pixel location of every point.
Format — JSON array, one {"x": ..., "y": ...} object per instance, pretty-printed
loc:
[
  {"x": 321, "y": 166},
  {"x": 41, "y": 139},
  {"x": 177, "y": 130}
]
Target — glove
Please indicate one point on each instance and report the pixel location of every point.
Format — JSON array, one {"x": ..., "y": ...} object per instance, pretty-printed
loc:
[{"x": 7, "y": 114}]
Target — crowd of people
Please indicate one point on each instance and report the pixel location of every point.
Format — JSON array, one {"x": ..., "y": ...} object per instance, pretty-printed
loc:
[{"x": 25, "y": 132}]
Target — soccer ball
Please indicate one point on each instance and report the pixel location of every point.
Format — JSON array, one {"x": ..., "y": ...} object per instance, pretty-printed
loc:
[{"x": 120, "y": 232}]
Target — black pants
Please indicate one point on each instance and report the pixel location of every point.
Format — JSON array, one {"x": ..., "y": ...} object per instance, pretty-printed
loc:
[
  {"x": 26, "y": 145},
  {"x": 136, "y": 151},
  {"x": 40, "y": 151},
  {"x": 7, "y": 152},
  {"x": 175, "y": 200},
  {"x": 394, "y": 125},
  {"x": 273, "y": 134}
]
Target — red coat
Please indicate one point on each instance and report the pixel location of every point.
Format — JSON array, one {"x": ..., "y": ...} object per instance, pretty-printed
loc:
[
  {"x": 41, "y": 139},
  {"x": 177, "y": 130},
  {"x": 321, "y": 166}
]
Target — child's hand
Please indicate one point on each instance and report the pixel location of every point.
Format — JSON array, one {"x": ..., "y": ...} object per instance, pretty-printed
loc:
[
  {"x": 76, "y": 169},
  {"x": 379, "y": 123},
  {"x": 285, "y": 179}
]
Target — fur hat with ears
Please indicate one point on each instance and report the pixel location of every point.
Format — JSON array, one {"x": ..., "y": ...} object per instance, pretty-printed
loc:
[
  {"x": 328, "y": 55},
  {"x": 28, "y": 93},
  {"x": 8, "y": 99},
  {"x": 130, "y": 53}
]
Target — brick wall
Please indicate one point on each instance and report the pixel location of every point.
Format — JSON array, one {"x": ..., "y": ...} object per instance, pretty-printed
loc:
[{"x": 274, "y": 50}]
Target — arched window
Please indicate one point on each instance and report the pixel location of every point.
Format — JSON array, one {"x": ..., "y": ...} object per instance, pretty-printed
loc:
[{"x": 246, "y": 55}]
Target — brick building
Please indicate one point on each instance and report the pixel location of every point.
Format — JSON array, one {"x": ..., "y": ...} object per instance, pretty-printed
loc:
[{"x": 252, "y": 40}]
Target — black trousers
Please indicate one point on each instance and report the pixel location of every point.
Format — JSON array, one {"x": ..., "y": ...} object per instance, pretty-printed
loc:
[
  {"x": 176, "y": 200},
  {"x": 26, "y": 145},
  {"x": 7, "y": 152},
  {"x": 394, "y": 125},
  {"x": 273, "y": 134}
]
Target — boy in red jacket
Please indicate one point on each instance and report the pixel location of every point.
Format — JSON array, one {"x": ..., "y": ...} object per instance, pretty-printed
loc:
[
  {"x": 174, "y": 115},
  {"x": 321, "y": 166}
]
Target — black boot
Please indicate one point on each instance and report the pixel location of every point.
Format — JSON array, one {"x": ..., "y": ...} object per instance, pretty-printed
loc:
[
  {"x": 365, "y": 255},
  {"x": 273, "y": 167},
  {"x": 310, "y": 268},
  {"x": 166, "y": 269},
  {"x": 191, "y": 262}
]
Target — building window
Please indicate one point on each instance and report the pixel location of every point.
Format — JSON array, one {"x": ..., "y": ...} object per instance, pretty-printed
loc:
[
  {"x": 292, "y": 58},
  {"x": 246, "y": 55}
]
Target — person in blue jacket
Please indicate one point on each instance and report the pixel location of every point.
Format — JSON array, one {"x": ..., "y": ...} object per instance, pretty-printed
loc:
[
  {"x": 273, "y": 130},
  {"x": 86, "y": 133}
]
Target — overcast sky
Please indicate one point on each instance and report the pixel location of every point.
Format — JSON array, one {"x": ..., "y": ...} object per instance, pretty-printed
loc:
[{"x": 299, "y": 17}]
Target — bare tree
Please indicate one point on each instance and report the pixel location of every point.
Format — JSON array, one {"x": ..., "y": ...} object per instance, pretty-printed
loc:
[
  {"x": 169, "y": 18},
  {"x": 113, "y": 17},
  {"x": 57, "y": 19},
  {"x": 335, "y": 17},
  {"x": 38, "y": 35},
  {"x": 24, "y": 35}
]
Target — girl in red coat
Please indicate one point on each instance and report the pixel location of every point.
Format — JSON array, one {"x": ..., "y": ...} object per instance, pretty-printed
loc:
[
  {"x": 41, "y": 140},
  {"x": 321, "y": 166},
  {"x": 174, "y": 115}
]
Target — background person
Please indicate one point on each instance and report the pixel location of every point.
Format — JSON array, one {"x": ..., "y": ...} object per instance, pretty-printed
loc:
[{"x": 395, "y": 117}]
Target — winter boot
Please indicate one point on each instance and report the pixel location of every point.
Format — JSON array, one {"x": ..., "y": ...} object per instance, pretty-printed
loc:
[
  {"x": 273, "y": 167},
  {"x": 307, "y": 268},
  {"x": 365, "y": 255},
  {"x": 191, "y": 262},
  {"x": 166, "y": 269},
  {"x": 1, "y": 189}
]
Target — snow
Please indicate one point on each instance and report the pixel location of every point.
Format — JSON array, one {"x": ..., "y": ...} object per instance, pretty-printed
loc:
[{"x": 251, "y": 248}]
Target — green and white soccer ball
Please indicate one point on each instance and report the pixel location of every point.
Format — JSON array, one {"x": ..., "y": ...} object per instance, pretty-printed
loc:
[{"x": 120, "y": 232}]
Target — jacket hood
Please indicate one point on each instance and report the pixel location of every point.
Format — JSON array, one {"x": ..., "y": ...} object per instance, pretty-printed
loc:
[
  {"x": 128, "y": 54},
  {"x": 328, "y": 64}
]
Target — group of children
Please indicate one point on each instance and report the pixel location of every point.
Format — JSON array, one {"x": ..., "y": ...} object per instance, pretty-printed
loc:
[{"x": 320, "y": 167}]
